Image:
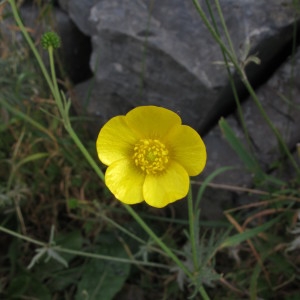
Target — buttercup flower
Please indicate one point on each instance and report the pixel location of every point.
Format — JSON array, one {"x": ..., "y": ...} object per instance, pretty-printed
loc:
[{"x": 150, "y": 156}]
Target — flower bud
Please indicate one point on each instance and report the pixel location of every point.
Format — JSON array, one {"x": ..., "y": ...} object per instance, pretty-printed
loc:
[{"x": 50, "y": 39}]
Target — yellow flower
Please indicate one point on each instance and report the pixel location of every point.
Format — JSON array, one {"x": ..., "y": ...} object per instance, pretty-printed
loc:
[{"x": 150, "y": 156}]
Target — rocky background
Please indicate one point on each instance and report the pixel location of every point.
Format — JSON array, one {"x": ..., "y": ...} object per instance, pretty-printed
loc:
[{"x": 121, "y": 54}]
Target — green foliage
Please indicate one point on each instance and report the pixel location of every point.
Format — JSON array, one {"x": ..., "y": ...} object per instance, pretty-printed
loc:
[
  {"x": 102, "y": 279},
  {"x": 100, "y": 250}
]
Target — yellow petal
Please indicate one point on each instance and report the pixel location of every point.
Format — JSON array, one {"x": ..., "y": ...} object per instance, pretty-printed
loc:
[
  {"x": 171, "y": 185},
  {"x": 125, "y": 181},
  {"x": 188, "y": 149},
  {"x": 152, "y": 121},
  {"x": 115, "y": 141}
]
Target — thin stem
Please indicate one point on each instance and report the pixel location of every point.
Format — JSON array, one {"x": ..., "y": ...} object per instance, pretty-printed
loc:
[
  {"x": 230, "y": 77},
  {"x": 203, "y": 293},
  {"x": 214, "y": 33},
  {"x": 27, "y": 119},
  {"x": 22, "y": 237},
  {"x": 273, "y": 128},
  {"x": 81, "y": 253},
  {"x": 109, "y": 258},
  {"x": 55, "y": 91},
  {"x": 63, "y": 108},
  {"x": 31, "y": 44},
  {"x": 192, "y": 223},
  {"x": 247, "y": 84},
  {"x": 158, "y": 241},
  {"x": 225, "y": 28},
  {"x": 85, "y": 153}
]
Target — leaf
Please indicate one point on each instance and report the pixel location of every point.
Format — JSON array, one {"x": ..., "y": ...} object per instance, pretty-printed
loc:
[
  {"x": 253, "y": 282},
  {"x": 54, "y": 261},
  {"x": 53, "y": 254},
  {"x": 249, "y": 160},
  {"x": 63, "y": 279},
  {"x": 73, "y": 203},
  {"x": 207, "y": 181},
  {"x": 72, "y": 240},
  {"x": 18, "y": 285},
  {"x": 36, "y": 258},
  {"x": 38, "y": 290},
  {"x": 103, "y": 279},
  {"x": 33, "y": 157},
  {"x": 248, "y": 234},
  {"x": 237, "y": 146},
  {"x": 25, "y": 285}
]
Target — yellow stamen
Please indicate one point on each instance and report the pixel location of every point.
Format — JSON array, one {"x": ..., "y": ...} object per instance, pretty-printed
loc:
[{"x": 151, "y": 156}]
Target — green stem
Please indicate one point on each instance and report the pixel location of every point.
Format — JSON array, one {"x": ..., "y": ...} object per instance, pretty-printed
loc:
[
  {"x": 22, "y": 237},
  {"x": 230, "y": 77},
  {"x": 203, "y": 293},
  {"x": 158, "y": 241},
  {"x": 27, "y": 119},
  {"x": 31, "y": 44},
  {"x": 64, "y": 111},
  {"x": 85, "y": 153},
  {"x": 110, "y": 258},
  {"x": 192, "y": 225},
  {"x": 81, "y": 253},
  {"x": 56, "y": 93},
  {"x": 225, "y": 29},
  {"x": 63, "y": 108},
  {"x": 247, "y": 84},
  {"x": 214, "y": 33},
  {"x": 271, "y": 125}
]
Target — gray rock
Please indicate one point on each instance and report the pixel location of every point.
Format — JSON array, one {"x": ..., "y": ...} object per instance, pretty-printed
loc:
[
  {"x": 161, "y": 53},
  {"x": 281, "y": 102},
  {"x": 79, "y": 12},
  {"x": 280, "y": 97}
]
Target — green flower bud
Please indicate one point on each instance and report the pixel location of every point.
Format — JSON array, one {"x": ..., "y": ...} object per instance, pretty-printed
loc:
[{"x": 50, "y": 39}]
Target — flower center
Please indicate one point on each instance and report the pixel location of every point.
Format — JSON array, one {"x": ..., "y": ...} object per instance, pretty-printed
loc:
[{"x": 151, "y": 155}]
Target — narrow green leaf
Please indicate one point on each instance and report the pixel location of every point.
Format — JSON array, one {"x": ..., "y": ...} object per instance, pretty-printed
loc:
[
  {"x": 32, "y": 157},
  {"x": 253, "y": 282},
  {"x": 248, "y": 234},
  {"x": 103, "y": 279},
  {"x": 207, "y": 180},
  {"x": 18, "y": 285},
  {"x": 237, "y": 146}
]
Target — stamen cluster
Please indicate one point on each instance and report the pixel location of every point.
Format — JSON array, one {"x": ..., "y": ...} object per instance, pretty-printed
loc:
[{"x": 151, "y": 155}]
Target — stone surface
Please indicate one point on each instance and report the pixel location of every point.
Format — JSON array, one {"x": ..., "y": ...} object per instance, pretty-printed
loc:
[
  {"x": 281, "y": 102},
  {"x": 79, "y": 11},
  {"x": 280, "y": 98},
  {"x": 161, "y": 53},
  {"x": 151, "y": 52}
]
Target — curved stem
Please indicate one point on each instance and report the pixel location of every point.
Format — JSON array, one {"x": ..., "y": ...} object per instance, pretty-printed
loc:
[
  {"x": 81, "y": 253},
  {"x": 158, "y": 241},
  {"x": 31, "y": 45},
  {"x": 230, "y": 77},
  {"x": 247, "y": 84}
]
